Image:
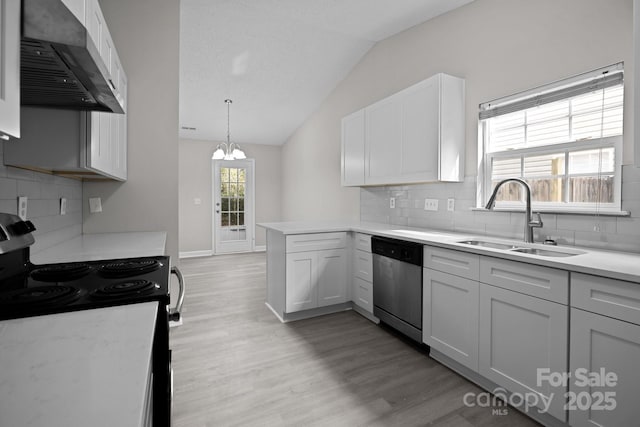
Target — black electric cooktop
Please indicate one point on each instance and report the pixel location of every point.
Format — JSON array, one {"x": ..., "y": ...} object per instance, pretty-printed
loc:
[{"x": 56, "y": 288}]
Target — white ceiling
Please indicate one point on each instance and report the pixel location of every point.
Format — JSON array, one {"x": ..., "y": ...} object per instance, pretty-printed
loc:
[{"x": 277, "y": 59}]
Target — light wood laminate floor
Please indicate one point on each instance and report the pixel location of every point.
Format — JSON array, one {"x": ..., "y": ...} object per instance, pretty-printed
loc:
[{"x": 235, "y": 364}]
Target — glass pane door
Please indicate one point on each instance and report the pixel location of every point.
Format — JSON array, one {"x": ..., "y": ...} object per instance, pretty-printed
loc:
[
  {"x": 233, "y": 217},
  {"x": 232, "y": 193}
]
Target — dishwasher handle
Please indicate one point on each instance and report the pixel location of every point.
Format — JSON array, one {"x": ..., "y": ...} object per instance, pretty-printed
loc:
[{"x": 174, "y": 313}]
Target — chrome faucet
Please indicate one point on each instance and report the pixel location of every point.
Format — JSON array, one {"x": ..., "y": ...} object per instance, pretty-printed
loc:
[{"x": 529, "y": 222}]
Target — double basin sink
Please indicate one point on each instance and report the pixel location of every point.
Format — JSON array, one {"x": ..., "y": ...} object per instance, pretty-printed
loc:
[{"x": 511, "y": 247}]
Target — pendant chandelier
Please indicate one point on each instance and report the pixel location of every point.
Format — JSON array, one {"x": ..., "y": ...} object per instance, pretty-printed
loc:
[{"x": 228, "y": 150}]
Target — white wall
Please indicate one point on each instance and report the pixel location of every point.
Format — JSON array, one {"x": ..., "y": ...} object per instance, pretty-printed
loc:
[
  {"x": 146, "y": 34},
  {"x": 499, "y": 46},
  {"x": 196, "y": 182}
]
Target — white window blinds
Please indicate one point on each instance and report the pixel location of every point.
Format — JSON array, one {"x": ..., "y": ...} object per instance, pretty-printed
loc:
[{"x": 564, "y": 139}]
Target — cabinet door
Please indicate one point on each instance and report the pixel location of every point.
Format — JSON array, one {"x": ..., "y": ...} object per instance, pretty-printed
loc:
[
  {"x": 301, "y": 281},
  {"x": 519, "y": 335},
  {"x": 332, "y": 277},
  {"x": 601, "y": 343},
  {"x": 382, "y": 151},
  {"x": 450, "y": 316},
  {"x": 99, "y": 150},
  {"x": 363, "y": 265},
  {"x": 95, "y": 23},
  {"x": 353, "y": 130},
  {"x": 9, "y": 69},
  {"x": 420, "y": 131},
  {"x": 119, "y": 134}
]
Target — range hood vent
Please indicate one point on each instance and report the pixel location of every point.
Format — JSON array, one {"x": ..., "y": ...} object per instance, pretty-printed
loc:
[{"x": 60, "y": 65}]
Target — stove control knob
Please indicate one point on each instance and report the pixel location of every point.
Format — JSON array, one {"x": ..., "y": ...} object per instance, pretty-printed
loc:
[{"x": 21, "y": 227}]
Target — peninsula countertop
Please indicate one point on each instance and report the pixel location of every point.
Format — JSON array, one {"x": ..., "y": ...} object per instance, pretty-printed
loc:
[
  {"x": 612, "y": 264},
  {"x": 92, "y": 247}
]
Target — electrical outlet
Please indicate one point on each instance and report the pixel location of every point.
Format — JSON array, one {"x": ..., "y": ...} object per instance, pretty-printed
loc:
[
  {"x": 22, "y": 207},
  {"x": 451, "y": 203},
  {"x": 197, "y": 201},
  {"x": 392, "y": 203},
  {"x": 430, "y": 204},
  {"x": 63, "y": 206},
  {"x": 95, "y": 204}
]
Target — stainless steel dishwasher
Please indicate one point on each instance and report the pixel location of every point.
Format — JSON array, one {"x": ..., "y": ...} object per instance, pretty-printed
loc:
[{"x": 397, "y": 284}]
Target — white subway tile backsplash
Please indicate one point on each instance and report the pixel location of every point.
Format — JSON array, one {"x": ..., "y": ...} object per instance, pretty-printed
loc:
[
  {"x": 8, "y": 188},
  {"x": 9, "y": 205},
  {"x": 628, "y": 226},
  {"x": 30, "y": 189},
  {"x": 615, "y": 233},
  {"x": 43, "y": 192}
]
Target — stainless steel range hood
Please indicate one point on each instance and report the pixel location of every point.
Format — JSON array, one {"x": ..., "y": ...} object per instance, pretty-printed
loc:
[{"x": 60, "y": 65}]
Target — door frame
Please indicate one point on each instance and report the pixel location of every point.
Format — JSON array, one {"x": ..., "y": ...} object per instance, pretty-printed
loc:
[{"x": 249, "y": 203}]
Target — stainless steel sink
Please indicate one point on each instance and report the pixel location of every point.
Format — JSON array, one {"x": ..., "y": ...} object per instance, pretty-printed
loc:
[
  {"x": 514, "y": 247},
  {"x": 492, "y": 245},
  {"x": 543, "y": 252}
]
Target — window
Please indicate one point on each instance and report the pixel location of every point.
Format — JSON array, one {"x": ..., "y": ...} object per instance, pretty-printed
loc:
[{"x": 564, "y": 140}]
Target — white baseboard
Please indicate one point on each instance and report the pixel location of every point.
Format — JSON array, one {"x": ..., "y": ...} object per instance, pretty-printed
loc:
[
  {"x": 198, "y": 254},
  {"x": 195, "y": 254}
]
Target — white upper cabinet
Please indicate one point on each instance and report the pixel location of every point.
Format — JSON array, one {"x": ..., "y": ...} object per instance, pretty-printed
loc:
[
  {"x": 415, "y": 135},
  {"x": 383, "y": 129},
  {"x": 636, "y": 75},
  {"x": 78, "y": 8},
  {"x": 94, "y": 22},
  {"x": 9, "y": 69},
  {"x": 353, "y": 149}
]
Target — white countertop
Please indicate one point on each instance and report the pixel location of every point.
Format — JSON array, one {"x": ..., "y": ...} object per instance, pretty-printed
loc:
[
  {"x": 81, "y": 368},
  {"x": 613, "y": 264},
  {"x": 93, "y": 247}
]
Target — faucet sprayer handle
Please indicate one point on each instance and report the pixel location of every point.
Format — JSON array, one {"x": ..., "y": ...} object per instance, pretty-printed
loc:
[{"x": 537, "y": 223}]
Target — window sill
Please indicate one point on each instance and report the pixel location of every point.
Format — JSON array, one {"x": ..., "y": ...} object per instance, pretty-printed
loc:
[{"x": 560, "y": 212}]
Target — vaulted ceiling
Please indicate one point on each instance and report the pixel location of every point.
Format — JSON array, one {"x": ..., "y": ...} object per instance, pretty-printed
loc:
[{"x": 277, "y": 59}]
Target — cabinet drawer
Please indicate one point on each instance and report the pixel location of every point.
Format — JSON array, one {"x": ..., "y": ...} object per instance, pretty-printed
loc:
[
  {"x": 542, "y": 282},
  {"x": 611, "y": 297},
  {"x": 316, "y": 242},
  {"x": 460, "y": 263},
  {"x": 363, "y": 294},
  {"x": 363, "y": 265},
  {"x": 363, "y": 242}
]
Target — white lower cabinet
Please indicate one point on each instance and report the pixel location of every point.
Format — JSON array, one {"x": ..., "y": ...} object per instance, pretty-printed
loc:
[
  {"x": 600, "y": 348},
  {"x": 362, "y": 294},
  {"x": 450, "y": 316},
  {"x": 332, "y": 277},
  {"x": 315, "y": 279},
  {"x": 605, "y": 348},
  {"x": 302, "y": 278},
  {"x": 520, "y": 336},
  {"x": 362, "y": 278}
]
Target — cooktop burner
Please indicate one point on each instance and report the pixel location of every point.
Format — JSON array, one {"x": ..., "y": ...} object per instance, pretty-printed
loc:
[
  {"x": 34, "y": 290},
  {"x": 125, "y": 289},
  {"x": 127, "y": 268},
  {"x": 38, "y": 296},
  {"x": 61, "y": 272}
]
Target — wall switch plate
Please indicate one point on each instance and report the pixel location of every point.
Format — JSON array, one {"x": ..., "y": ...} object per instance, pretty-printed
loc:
[
  {"x": 197, "y": 201},
  {"x": 95, "y": 204},
  {"x": 430, "y": 204},
  {"x": 22, "y": 207},
  {"x": 63, "y": 206},
  {"x": 392, "y": 203},
  {"x": 451, "y": 204}
]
